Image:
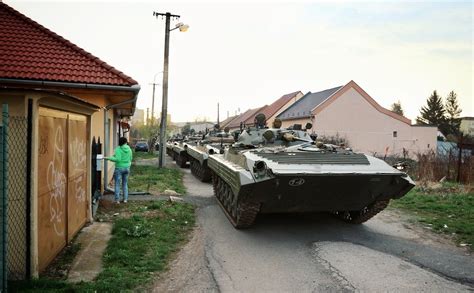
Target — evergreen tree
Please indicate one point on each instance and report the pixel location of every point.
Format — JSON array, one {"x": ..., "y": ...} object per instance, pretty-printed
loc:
[
  {"x": 433, "y": 113},
  {"x": 453, "y": 110},
  {"x": 397, "y": 108}
]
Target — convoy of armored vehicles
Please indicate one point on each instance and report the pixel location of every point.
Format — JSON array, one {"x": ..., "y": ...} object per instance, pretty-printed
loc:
[{"x": 277, "y": 170}]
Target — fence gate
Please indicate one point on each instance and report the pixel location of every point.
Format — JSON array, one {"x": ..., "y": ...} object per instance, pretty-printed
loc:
[{"x": 62, "y": 180}]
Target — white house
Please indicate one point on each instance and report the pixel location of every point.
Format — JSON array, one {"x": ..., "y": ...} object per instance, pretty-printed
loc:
[{"x": 349, "y": 112}]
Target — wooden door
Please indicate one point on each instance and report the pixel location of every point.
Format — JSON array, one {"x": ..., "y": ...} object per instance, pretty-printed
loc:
[
  {"x": 77, "y": 203},
  {"x": 62, "y": 180},
  {"x": 52, "y": 185}
]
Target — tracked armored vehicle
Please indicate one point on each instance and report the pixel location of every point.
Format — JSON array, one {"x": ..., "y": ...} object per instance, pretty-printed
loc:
[
  {"x": 213, "y": 143},
  {"x": 272, "y": 170},
  {"x": 179, "y": 150}
]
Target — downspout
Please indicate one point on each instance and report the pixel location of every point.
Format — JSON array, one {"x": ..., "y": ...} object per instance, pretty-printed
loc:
[{"x": 107, "y": 134}]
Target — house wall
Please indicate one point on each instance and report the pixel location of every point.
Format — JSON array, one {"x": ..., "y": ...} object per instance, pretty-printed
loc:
[
  {"x": 18, "y": 176},
  {"x": 302, "y": 121},
  {"x": 367, "y": 130},
  {"x": 467, "y": 126},
  {"x": 100, "y": 98},
  {"x": 286, "y": 106}
]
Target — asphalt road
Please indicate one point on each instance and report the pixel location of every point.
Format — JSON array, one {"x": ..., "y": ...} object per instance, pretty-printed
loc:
[{"x": 312, "y": 253}]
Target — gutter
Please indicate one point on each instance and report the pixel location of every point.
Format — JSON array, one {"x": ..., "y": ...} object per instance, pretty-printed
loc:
[{"x": 134, "y": 88}]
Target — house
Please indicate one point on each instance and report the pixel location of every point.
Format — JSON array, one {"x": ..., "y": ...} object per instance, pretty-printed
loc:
[
  {"x": 274, "y": 109},
  {"x": 467, "y": 126},
  {"x": 349, "y": 112},
  {"x": 226, "y": 122},
  {"x": 301, "y": 110},
  {"x": 60, "y": 98},
  {"x": 197, "y": 126},
  {"x": 240, "y": 120}
]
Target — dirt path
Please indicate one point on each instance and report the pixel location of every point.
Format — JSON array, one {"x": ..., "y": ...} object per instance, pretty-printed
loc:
[{"x": 312, "y": 253}]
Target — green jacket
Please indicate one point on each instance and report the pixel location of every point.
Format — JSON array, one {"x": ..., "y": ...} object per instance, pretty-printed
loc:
[{"x": 122, "y": 156}]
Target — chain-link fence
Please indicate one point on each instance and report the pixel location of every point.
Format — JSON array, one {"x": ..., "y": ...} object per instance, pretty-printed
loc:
[
  {"x": 18, "y": 199},
  {"x": 14, "y": 199},
  {"x": 3, "y": 198}
]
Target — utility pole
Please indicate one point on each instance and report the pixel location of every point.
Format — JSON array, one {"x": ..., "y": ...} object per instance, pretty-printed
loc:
[
  {"x": 218, "y": 115},
  {"x": 164, "y": 105},
  {"x": 153, "y": 104},
  {"x": 147, "y": 116}
]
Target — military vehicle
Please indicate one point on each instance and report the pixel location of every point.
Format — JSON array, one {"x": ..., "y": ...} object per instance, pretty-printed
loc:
[
  {"x": 174, "y": 140},
  {"x": 213, "y": 143},
  {"x": 179, "y": 152},
  {"x": 273, "y": 170}
]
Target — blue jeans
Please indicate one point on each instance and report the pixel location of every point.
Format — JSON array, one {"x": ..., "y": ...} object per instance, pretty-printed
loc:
[{"x": 121, "y": 174}]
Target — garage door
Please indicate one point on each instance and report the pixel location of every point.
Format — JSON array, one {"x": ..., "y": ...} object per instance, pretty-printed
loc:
[{"x": 62, "y": 180}]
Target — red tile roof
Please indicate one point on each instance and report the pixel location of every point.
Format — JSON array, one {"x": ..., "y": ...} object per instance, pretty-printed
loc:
[
  {"x": 30, "y": 51},
  {"x": 243, "y": 117},
  {"x": 224, "y": 123},
  {"x": 270, "y": 110}
]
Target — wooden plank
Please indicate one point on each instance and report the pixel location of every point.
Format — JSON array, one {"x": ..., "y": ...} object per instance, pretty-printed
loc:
[
  {"x": 77, "y": 174},
  {"x": 52, "y": 185}
]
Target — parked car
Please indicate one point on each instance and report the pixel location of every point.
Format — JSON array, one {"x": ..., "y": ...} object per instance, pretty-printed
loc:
[{"x": 141, "y": 146}]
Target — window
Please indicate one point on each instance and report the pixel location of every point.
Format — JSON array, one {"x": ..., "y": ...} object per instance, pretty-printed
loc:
[{"x": 395, "y": 134}]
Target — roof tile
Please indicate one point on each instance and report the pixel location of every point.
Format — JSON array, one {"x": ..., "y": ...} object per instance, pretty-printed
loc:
[
  {"x": 30, "y": 51},
  {"x": 302, "y": 108},
  {"x": 271, "y": 109}
]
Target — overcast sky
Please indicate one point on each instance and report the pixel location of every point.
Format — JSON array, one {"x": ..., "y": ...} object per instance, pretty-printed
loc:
[{"x": 248, "y": 54}]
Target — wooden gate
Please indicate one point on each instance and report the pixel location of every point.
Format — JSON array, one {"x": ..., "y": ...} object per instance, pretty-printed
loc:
[{"x": 62, "y": 180}]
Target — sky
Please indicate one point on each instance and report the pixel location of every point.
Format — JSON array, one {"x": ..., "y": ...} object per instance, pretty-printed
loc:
[{"x": 247, "y": 54}]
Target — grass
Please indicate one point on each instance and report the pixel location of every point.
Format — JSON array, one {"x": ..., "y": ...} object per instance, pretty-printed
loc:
[
  {"x": 448, "y": 209},
  {"x": 144, "y": 236},
  {"x": 144, "y": 155},
  {"x": 148, "y": 178}
]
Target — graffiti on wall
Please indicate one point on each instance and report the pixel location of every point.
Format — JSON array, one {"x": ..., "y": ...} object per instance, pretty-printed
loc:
[
  {"x": 56, "y": 179},
  {"x": 77, "y": 150}
]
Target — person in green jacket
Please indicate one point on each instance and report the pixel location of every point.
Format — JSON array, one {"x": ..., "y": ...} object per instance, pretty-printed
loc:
[{"x": 123, "y": 160}]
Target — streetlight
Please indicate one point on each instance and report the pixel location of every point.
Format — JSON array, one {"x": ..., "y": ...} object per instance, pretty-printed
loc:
[{"x": 164, "y": 105}]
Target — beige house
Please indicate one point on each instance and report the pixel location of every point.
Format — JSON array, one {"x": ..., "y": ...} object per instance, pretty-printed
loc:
[
  {"x": 271, "y": 111},
  {"x": 60, "y": 97},
  {"x": 274, "y": 109},
  {"x": 467, "y": 126},
  {"x": 349, "y": 112}
]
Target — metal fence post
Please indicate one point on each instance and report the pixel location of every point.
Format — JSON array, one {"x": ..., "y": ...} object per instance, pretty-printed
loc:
[{"x": 4, "y": 195}]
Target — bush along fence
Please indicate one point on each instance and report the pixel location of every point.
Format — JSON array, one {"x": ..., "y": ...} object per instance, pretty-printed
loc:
[{"x": 455, "y": 166}]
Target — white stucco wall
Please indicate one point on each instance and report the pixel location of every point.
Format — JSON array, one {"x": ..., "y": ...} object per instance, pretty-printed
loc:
[
  {"x": 370, "y": 131},
  {"x": 467, "y": 126}
]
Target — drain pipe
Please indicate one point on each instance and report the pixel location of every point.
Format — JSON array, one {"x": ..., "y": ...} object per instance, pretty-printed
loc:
[{"x": 107, "y": 133}]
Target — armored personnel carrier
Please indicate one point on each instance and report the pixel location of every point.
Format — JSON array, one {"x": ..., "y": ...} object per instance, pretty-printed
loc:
[
  {"x": 273, "y": 170},
  {"x": 213, "y": 143},
  {"x": 179, "y": 149}
]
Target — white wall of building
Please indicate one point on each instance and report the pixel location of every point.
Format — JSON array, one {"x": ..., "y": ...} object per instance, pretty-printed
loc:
[{"x": 370, "y": 131}]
